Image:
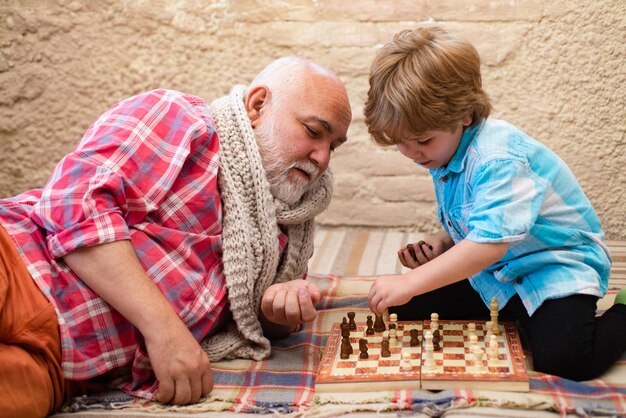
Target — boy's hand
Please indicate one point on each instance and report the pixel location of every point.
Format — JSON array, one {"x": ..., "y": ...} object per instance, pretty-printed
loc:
[
  {"x": 421, "y": 252},
  {"x": 290, "y": 303},
  {"x": 388, "y": 291}
]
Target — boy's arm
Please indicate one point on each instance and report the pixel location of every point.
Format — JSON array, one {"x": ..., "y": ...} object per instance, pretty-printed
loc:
[
  {"x": 114, "y": 273},
  {"x": 461, "y": 261}
]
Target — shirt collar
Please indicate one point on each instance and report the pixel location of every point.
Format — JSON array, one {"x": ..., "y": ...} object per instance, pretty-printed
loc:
[{"x": 457, "y": 163}]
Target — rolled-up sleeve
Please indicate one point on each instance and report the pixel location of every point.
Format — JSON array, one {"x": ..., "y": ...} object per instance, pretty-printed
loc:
[{"x": 120, "y": 171}]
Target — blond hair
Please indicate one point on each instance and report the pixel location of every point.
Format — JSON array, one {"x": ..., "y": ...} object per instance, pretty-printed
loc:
[{"x": 424, "y": 79}]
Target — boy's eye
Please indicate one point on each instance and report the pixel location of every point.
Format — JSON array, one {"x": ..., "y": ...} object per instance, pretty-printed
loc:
[{"x": 424, "y": 141}]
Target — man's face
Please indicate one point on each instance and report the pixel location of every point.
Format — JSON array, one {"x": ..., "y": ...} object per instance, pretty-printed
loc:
[{"x": 297, "y": 132}]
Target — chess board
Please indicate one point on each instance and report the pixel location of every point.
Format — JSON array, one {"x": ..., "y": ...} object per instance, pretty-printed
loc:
[{"x": 454, "y": 366}]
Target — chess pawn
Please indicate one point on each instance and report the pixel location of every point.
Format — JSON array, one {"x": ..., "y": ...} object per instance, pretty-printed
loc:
[
  {"x": 384, "y": 349},
  {"x": 351, "y": 323},
  {"x": 434, "y": 321},
  {"x": 363, "y": 348},
  {"x": 393, "y": 319},
  {"x": 379, "y": 324},
  {"x": 436, "y": 340},
  {"x": 492, "y": 353},
  {"x": 494, "y": 306},
  {"x": 393, "y": 337},
  {"x": 346, "y": 349},
  {"x": 473, "y": 341},
  {"x": 471, "y": 328},
  {"x": 489, "y": 333},
  {"x": 345, "y": 328},
  {"x": 370, "y": 329},
  {"x": 414, "y": 338},
  {"x": 405, "y": 362},
  {"x": 478, "y": 354}
]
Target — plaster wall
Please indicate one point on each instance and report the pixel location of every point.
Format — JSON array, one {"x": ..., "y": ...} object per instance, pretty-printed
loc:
[{"x": 557, "y": 69}]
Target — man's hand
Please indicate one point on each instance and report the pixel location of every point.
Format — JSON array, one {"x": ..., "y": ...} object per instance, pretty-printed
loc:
[
  {"x": 114, "y": 273},
  {"x": 290, "y": 303},
  {"x": 180, "y": 365},
  {"x": 388, "y": 291}
]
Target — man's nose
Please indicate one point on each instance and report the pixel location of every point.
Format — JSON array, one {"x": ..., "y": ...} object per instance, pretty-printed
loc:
[{"x": 320, "y": 156}]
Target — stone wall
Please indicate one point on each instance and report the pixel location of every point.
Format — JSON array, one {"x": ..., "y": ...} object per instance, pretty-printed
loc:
[{"x": 557, "y": 69}]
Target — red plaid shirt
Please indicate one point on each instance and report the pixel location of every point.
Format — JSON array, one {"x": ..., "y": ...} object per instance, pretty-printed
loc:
[{"x": 145, "y": 171}]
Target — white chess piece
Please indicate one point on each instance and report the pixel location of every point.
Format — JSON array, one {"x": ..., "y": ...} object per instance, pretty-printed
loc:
[
  {"x": 489, "y": 333},
  {"x": 478, "y": 354},
  {"x": 393, "y": 319},
  {"x": 471, "y": 330},
  {"x": 494, "y": 306},
  {"x": 405, "y": 362},
  {"x": 492, "y": 352},
  {"x": 473, "y": 341},
  {"x": 429, "y": 360},
  {"x": 434, "y": 321},
  {"x": 393, "y": 337}
]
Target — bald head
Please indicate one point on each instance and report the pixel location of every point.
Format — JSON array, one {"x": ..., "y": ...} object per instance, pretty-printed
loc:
[{"x": 300, "y": 113}]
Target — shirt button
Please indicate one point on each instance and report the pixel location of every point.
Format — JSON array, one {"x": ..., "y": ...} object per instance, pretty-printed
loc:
[
  {"x": 449, "y": 223},
  {"x": 444, "y": 178}
]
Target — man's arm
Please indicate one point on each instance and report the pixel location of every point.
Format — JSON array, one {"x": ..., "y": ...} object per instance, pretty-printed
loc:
[{"x": 113, "y": 272}]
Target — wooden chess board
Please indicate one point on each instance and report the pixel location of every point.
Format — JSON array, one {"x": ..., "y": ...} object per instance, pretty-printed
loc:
[{"x": 454, "y": 366}]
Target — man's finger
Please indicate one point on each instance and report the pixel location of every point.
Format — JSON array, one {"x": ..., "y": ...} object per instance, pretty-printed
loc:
[
  {"x": 166, "y": 391},
  {"x": 292, "y": 306},
  {"x": 307, "y": 309},
  {"x": 182, "y": 394},
  {"x": 207, "y": 383}
]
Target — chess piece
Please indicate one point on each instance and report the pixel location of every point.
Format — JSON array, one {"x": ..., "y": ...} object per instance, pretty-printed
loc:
[
  {"x": 363, "y": 348},
  {"x": 346, "y": 349},
  {"x": 405, "y": 362},
  {"x": 429, "y": 360},
  {"x": 415, "y": 342},
  {"x": 473, "y": 341},
  {"x": 436, "y": 340},
  {"x": 494, "y": 315},
  {"x": 492, "y": 353},
  {"x": 384, "y": 349},
  {"x": 345, "y": 328},
  {"x": 393, "y": 337},
  {"x": 351, "y": 323},
  {"x": 370, "y": 329},
  {"x": 379, "y": 324},
  {"x": 471, "y": 329},
  {"x": 393, "y": 320},
  {"x": 434, "y": 321},
  {"x": 393, "y": 326},
  {"x": 478, "y": 354},
  {"x": 489, "y": 333}
]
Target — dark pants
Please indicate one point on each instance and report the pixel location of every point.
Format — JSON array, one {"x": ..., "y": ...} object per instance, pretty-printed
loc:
[{"x": 564, "y": 335}]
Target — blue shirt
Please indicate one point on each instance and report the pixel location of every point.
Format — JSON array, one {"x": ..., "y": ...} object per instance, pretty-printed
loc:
[{"x": 503, "y": 186}]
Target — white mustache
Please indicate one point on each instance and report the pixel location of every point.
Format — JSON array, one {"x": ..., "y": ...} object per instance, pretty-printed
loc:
[{"x": 308, "y": 167}]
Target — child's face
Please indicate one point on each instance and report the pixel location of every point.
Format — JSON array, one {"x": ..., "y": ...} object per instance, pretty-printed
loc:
[{"x": 433, "y": 149}]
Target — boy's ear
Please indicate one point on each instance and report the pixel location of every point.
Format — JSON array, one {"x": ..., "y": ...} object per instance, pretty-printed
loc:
[
  {"x": 255, "y": 100},
  {"x": 467, "y": 120}
]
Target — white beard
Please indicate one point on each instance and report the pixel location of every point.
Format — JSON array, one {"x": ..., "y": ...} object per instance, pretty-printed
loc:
[{"x": 286, "y": 188}]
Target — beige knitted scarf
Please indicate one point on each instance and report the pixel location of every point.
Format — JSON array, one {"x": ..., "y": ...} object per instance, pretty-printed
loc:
[{"x": 251, "y": 219}]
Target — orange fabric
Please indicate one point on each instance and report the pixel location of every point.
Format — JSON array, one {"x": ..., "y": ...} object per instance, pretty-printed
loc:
[{"x": 31, "y": 379}]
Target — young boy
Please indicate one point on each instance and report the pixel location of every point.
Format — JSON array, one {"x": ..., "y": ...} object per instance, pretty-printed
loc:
[{"x": 517, "y": 225}]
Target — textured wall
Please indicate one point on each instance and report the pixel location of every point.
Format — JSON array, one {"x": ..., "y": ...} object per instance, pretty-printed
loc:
[{"x": 555, "y": 68}]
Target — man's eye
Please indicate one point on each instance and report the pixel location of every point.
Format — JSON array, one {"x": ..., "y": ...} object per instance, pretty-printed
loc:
[{"x": 312, "y": 132}]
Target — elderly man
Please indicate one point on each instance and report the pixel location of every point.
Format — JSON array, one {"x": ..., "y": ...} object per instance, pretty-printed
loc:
[{"x": 176, "y": 233}]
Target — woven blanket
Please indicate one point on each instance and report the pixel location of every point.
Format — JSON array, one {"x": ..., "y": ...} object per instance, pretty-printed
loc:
[{"x": 284, "y": 383}]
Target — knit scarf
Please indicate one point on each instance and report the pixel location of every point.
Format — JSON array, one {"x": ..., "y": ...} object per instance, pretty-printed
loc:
[{"x": 250, "y": 229}]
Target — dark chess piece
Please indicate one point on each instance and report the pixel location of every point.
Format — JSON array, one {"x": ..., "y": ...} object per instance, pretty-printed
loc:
[
  {"x": 392, "y": 326},
  {"x": 363, "y": 348},
  {"x": 351, "y": 322},
  {"x": 414, "y": 338},
  {"x": 345, "y": 328},
  {"x": 384, "y": 349},
  {"x": 436, "y": 340},
  {"x": 346, "y": 349},
  {"x": 379, "y": 324},
  {"x": 369, "y": 330}
]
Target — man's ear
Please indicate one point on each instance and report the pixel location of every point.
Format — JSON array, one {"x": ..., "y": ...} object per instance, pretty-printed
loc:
[{"x": 257, "y": 97}]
